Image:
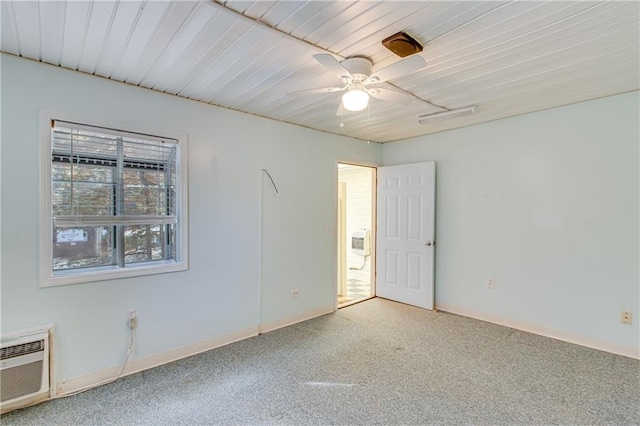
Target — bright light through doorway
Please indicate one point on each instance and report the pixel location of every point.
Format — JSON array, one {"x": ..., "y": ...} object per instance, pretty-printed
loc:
[{"x": 356, "y": 233}]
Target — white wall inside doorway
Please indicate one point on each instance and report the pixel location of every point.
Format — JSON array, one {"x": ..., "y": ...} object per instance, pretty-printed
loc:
[{"x": 359, "y": 198}]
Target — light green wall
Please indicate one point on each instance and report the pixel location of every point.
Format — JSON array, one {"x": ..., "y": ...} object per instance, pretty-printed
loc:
[
  {"x": 547, "y": 203},
  {"x": 219, "y": 294}
]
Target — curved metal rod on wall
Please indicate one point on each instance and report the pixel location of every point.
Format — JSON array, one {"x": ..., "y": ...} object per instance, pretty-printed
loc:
[
  {"x": 271, "y": 179},
  {"x": 260, "y": 243}
]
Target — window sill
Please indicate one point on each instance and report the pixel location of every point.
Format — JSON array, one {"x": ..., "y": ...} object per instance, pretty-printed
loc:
[{"x": 106, "y": 273}]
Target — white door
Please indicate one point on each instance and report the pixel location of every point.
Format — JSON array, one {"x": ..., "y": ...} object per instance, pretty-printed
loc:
[{"x": 405, "y": 233}]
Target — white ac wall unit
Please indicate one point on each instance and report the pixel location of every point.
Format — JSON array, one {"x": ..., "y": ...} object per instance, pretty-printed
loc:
[
  {"x": 361, "y": 242},
  {"x": 24, "y": 369}
]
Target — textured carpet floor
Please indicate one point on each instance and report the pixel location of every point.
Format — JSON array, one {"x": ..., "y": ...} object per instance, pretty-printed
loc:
[{"x": 377, "y": 362}]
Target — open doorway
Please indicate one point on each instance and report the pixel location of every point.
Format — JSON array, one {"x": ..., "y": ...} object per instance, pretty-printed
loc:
[{"x": 356, "y": 233}]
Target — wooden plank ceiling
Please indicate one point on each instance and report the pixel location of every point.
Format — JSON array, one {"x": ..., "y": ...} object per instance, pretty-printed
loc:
[{"x": 507, "y": 57}]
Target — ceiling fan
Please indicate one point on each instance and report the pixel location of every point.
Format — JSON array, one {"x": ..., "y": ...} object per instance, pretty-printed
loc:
[{"x": 359, "y": 82}]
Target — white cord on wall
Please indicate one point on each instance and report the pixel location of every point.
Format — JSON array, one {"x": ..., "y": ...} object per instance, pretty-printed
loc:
[
  {"x": 106, "y": 382},
  {"x": 260, "y": 244}
]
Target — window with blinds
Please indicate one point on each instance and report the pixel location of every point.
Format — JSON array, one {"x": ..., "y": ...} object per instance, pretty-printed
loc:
[{"x": 114, "y": 199}]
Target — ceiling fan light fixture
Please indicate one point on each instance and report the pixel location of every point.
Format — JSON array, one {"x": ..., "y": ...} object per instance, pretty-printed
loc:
[{"x": 355, "y": 100}]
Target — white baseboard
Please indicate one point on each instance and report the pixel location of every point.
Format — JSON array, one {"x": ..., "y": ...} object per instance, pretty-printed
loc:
[
  {"x": 296, "y": 319},
  {"x": 565, "y": 336},
  {"x": 76, "y": 384}
]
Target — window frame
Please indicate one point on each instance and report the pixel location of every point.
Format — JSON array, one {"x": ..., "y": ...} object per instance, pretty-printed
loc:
[{"x": 102, "y": 273}]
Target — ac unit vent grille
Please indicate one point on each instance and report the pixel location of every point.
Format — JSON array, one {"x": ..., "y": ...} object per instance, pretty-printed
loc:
[
  {"x": 17, "y": 382},
  {"x": 20, "y": 350}
]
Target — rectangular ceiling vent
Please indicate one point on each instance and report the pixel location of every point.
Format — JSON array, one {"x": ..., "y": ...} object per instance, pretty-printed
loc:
[
  {"x": 402, "y": 44},
  {"x": 24, "y": 370}
]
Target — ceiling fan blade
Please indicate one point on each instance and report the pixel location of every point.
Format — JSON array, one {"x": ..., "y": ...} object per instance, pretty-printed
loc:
[
  {"x": 333, "y": 65},
  {"x": 391, "y": 96},
  {"x": 316, "y": 91},
  {"x": 397, "y": 69}
]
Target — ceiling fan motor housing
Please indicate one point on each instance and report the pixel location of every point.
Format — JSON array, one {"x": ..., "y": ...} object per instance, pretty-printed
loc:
[{"x": 360, "y": 68}]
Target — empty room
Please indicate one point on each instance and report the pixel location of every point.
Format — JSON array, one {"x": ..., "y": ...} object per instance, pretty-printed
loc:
[{"x": 320, "y": 212}]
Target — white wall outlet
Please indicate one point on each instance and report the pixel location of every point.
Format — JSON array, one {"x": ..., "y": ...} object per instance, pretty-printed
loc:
[
  {"x": 132, "y": 321},
  {"x": 626, "y": 318},
  {"x": 491, "y": 283},
  {"x": 295, "y": 293}
]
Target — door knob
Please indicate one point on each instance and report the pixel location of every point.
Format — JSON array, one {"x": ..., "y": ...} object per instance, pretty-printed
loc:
[{"x": 431, "y": 243}]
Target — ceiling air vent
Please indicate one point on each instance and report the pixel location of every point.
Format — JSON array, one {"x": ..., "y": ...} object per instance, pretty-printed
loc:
[{"x": 402, "y": 44}]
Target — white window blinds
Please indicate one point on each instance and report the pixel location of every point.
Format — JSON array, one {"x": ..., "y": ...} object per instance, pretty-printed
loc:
[{"x": 109, "y": 177}]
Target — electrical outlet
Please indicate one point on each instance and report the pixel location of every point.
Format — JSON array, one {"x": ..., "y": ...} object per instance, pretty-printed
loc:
[
  {"x": 491, "y": 283},
  {"x": 132, "y": 321},
  {"x": 295, "y": 293},
  {"x": 626, "y": 318}
]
